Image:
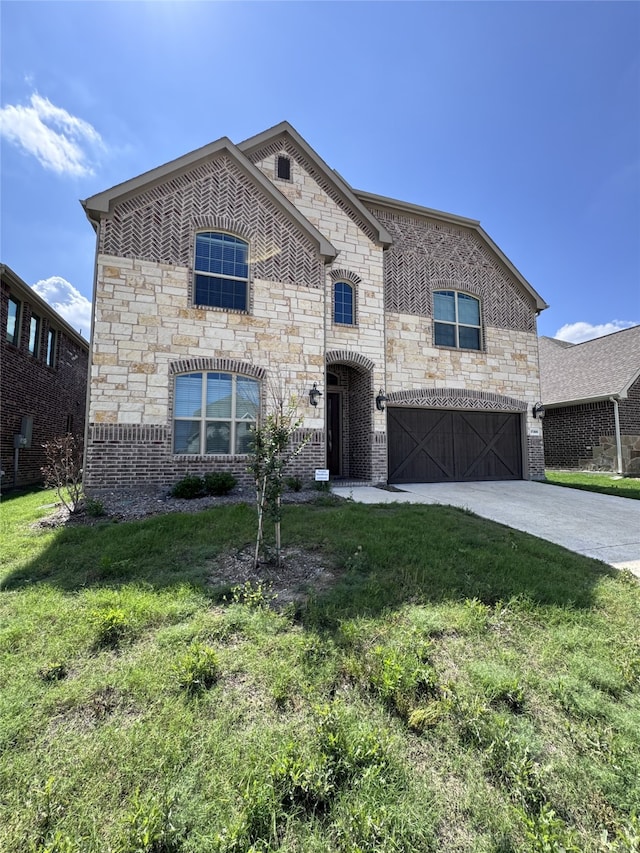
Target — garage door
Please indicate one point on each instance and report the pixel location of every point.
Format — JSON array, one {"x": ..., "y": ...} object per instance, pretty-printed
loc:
[{"x": 434, "y": 445}]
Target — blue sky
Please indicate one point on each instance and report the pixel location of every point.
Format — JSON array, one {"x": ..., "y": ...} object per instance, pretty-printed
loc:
[{"x": 523, "y": 115}]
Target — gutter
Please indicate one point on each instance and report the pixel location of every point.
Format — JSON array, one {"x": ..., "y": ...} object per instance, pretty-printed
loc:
[{"x": 616, "y": 416}]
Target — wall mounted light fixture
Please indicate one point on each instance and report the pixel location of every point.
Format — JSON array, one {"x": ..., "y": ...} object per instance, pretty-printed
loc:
[
  {"x": 314, "y": 394},
  {"x": 380, "y": 401},
  {"x": 538, "y": 411}
]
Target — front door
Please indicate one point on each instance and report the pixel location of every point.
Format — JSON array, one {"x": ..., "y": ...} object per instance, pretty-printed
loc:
[{"x": 333, "y": 433}]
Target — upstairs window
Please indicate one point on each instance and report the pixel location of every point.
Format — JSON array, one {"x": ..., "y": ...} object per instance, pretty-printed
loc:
[
  {"x": 34, "y": 335},
  {"x": 214, "y": 413},
  {"x": 51, "y": 347},
  {"x": 221, "y": 278},
  {"x": 283, "y": 169},
  {"x": 343, "y": 303},
  {"x": 457, "y": 320},
  {"x": 13, "y": 321}
]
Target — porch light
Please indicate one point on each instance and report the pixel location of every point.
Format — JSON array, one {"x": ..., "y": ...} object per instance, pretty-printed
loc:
[
  {"x": 381, "y": 400},
  {"x": 538, "y": 411},
  {"x": 314, "y": 394}
]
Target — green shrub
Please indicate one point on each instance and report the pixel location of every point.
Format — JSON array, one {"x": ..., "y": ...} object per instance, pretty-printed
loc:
[
  {"x": 293, "y": 483},
  {"x": 219, "y": 483},
  {"x": 93, "y": 507},
  {"x": 189, "y": 487}
]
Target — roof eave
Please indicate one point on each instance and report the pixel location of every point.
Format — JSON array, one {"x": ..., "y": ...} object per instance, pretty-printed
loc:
[
  {"x": 454, "y": 219},
  {"x": 28, "y": 292},
  {"x": 100, "y": 204},
  {"x": 598, "y": 398}
]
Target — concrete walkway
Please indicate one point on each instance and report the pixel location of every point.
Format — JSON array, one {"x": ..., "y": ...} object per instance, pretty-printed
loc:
[{"x": 600, "y": 526}]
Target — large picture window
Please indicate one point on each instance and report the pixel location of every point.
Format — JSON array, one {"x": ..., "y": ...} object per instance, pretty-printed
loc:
[
  {"x": 456, "y": 320},
  {"x": 214, "y": 413},
  {"x": 343, "y": 303},
  {"x": 221, "y": 277}
]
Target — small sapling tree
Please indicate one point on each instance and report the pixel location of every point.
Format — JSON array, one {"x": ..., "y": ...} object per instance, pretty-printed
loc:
[
  {"x": 273, "y": 449},
  {"x": 63, "y": 469}
]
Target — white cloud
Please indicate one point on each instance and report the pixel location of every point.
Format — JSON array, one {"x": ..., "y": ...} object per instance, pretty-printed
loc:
[
  {"x": 577, "y": 333},
  {"x": 59, "y": 141},
  {"x": 67, "y": 301}
]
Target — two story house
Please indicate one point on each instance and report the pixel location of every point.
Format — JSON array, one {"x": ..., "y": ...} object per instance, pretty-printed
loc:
[
  {"x": 43, "y": 380},
  {"x": 239, "y": 269}
]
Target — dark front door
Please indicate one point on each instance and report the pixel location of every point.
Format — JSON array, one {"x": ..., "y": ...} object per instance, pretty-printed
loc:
[
  {"x": 333, "y": 434},
  {"x": 436, "y": 445}
]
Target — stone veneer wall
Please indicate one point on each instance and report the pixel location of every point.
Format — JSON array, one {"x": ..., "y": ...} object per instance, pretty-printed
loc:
[{"x": 145, "y": 331}]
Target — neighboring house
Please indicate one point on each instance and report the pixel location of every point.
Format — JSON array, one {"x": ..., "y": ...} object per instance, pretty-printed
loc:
[
  {"x": 591, "y": 394},
  {"x": 239, "y": 267},
  {"x": 43, "y": 380}
]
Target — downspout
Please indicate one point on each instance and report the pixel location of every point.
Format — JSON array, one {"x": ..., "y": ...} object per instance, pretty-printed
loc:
[{"x": 616, "y": 417}]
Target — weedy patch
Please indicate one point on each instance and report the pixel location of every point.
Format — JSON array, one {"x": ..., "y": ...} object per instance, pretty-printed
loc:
[{"x": 198, "y": 669}]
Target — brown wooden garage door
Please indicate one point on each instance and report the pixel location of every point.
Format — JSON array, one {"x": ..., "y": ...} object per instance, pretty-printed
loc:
[{"x": 434, "y": 445}]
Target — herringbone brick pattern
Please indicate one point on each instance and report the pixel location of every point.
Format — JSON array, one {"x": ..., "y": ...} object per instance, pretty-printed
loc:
[
  {"x": 158, "y": 224},
  {"x": 428, "y": 255},
  {"x": 455, "y": 398}
]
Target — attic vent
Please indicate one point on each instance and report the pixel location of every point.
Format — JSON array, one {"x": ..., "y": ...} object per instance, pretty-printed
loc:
[{"x": 284, "y": 168}]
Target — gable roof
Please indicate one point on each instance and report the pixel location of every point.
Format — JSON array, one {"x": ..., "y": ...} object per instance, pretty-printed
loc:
[
  {"x": 473, "y": 224},
  {"x": 594, "y": 370},
  {"x": 98, "y": 205},
  {"x": 336, "y": 181}
]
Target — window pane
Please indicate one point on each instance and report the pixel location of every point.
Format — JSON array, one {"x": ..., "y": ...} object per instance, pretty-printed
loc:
[
  {"x": 343, "y": 303},
  {"x": 34, "y": 334},
  {"x": 244, "y": 437},
  {"x": 445, "y": 335},
  {"x": 12, "y": 321},
  {"x": 189, "y": 396},
  {"x": 468, "y": 310},
  {"x": 220, "y": 292},
  {"x": 444, "y": 307},
  {"x": 186, "y": 437},
  {"x": 51, "y": 347},
  {"x": 247, "y": 398},
  {"x": 219, "y": 396},
  {"x": 221, "y": 254},
  {"x": 218, "y": 438},
  {"x": 469, "y": 338}
]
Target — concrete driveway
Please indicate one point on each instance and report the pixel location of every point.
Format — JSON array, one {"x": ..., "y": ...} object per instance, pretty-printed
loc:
[{"x": 600, "y": 526}]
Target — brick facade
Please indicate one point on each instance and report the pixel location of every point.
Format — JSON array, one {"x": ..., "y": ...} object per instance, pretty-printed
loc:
[
  {"x": 583, "y": 436},
  {"x": 53, "y": 396},
  {"x": 147, "y": 329}
]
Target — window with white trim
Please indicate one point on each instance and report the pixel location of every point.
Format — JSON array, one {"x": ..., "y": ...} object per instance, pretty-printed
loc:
[
  {"x": 221, "y": 271},
  {"x": 343, "y": 303},
  {"x": 214, "y": 413},
  {"x": 456, "y": 320},
  {"x": 13, "y": 321}
]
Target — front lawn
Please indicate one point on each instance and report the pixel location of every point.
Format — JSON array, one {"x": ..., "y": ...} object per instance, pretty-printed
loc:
[
  {"x": 606, "y": 484},
  {"x": 459, "y": 687}
]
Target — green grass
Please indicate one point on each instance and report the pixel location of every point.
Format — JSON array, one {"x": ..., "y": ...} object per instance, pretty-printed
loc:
[
  {"x": 461, "y": 687},
  {"x": 606, "y": 484}
]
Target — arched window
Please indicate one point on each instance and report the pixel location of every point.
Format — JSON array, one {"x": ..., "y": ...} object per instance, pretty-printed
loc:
[
  {"x": 221, "y": 277},
  {"x": 456, "y": 320},
  {"x": 214, "y": 413},
  {"x": 343, "y": 303}
]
